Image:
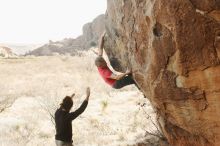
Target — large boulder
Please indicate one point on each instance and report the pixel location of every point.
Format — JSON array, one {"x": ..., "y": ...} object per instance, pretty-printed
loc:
[{"x": 175, "y": 46}]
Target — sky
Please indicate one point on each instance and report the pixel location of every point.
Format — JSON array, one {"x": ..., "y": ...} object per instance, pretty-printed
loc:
[{"x": 37, "y": 21}]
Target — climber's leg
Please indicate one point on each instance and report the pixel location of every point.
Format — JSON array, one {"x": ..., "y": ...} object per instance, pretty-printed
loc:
[{"x": 127, "y": 80}]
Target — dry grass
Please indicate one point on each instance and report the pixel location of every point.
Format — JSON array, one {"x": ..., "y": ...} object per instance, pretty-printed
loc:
[{"x": 35, "y": 86}]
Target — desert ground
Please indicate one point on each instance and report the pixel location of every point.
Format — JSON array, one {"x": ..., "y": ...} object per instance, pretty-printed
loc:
[{"x": 31, "y": 89}]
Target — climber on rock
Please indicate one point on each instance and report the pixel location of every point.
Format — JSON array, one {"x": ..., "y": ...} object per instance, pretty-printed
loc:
[
  {"x": 115, "y": 81},
  {"x": 64, "y": 118}
]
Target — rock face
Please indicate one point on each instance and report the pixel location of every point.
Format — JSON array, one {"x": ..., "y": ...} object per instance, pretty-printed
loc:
[
  {"x": 175, "y": 46},
  {"x": 89, "y": 38}
]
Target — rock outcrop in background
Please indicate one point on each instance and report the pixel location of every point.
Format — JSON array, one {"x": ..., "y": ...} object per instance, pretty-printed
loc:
[
  {"x": 175, "y": 46},
  {"x": 89, "y": 38},
  {"x": 6, "y": 52}
]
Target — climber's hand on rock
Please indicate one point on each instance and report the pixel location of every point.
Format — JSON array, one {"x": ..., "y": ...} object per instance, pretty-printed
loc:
[
  {"x": 128, "y": 71},
  {"x": 103, "y": 34}
]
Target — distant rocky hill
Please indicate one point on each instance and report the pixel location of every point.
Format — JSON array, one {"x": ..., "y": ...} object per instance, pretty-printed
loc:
[
  {"x": 21, "y": 48},
  {"x": 6, "y": 52},
  {"x": 89, "y": 38}
]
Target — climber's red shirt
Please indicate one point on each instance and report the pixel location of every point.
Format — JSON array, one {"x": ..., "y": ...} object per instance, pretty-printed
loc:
[{"x": 106, "y": 74}]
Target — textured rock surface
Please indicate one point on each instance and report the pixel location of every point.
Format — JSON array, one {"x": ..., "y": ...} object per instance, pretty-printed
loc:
[
  {"x": 175, "y": 46},
  {"x": 90, "y": 36}
]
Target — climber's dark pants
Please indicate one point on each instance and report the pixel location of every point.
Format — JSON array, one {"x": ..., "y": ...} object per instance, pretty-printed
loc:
[{"x": 127, "y": 80}]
